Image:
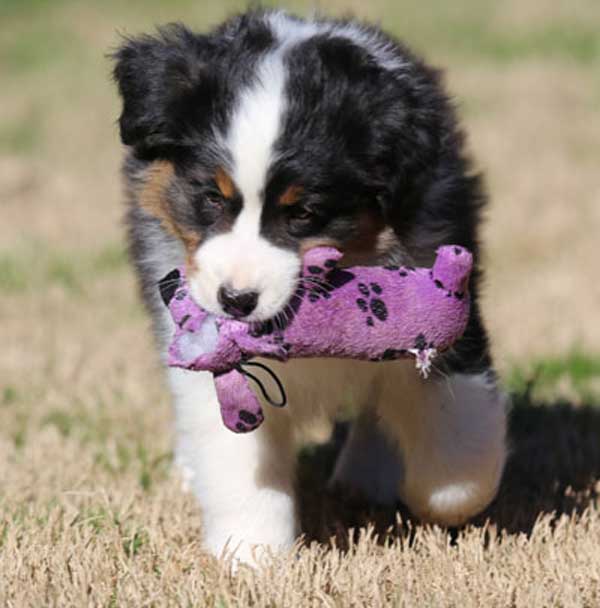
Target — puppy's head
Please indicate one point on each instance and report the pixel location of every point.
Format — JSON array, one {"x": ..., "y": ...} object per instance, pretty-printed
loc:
[{"x": 271, "y": 135}]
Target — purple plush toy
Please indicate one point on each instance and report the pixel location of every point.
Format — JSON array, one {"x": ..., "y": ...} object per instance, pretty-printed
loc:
[{"x": 363, "y": 312}]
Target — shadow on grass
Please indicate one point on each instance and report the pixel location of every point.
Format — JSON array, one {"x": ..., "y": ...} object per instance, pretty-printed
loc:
[{"x": 553, "y": 468}]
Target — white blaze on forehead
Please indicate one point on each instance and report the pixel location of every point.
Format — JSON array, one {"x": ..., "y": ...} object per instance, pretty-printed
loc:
[
  {"x": 242, "y": 258},
  {"x": 253, "y": 131},
  {"x": 257, "y": 119}
]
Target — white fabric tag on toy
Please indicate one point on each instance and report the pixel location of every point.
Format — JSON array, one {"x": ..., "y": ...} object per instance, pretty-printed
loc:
[{"x": 423, "y": 359}]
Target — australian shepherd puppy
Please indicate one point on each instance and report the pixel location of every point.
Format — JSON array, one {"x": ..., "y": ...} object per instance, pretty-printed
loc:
[{"x": 245, "y": 147}]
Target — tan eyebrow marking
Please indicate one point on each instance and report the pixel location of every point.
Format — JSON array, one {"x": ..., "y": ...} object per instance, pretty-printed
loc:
[
  {"x": 224, "y": 183},
  {"x": 291, "y": 195}
]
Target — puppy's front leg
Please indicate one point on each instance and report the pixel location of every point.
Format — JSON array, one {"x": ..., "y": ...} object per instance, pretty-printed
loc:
[{"x": 243, "y": 482}]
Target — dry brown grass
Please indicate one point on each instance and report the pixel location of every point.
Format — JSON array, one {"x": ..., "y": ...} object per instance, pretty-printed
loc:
[{"x": 90, "y": 512}]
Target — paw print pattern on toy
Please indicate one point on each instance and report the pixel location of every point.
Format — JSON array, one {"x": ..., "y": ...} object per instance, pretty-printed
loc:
[
  {"x": 247, "y": 421},
  {"x": 369, "y": 302},
  {"x": 322, "y": 281}
]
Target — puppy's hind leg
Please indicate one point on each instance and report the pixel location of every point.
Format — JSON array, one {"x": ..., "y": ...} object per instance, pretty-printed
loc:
[
  {"x": 369, "y": 462},
  {"x": 451, "y": 431}
]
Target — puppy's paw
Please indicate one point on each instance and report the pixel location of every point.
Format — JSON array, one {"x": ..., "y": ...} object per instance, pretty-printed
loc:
[{"x": 249, "y": 547}]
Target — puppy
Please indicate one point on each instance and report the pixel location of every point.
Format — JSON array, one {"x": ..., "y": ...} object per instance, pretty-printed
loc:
[{"x": 246, "y": 146}]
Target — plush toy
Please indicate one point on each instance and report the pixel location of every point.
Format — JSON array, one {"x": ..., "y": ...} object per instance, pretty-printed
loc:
[{"x": 374, "y": 313}]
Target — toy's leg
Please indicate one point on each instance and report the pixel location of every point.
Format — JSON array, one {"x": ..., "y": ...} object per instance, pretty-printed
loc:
[
  {"x": 243, "y": 482},
  {"x": 451, "y": 433},
  {"x": 369, "y": 462}
]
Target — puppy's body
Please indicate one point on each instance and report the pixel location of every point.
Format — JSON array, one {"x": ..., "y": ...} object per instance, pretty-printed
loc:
[{"x": 249, "y": 145}]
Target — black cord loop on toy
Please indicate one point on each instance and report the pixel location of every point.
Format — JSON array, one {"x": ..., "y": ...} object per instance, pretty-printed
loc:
[{"x": 263, "y": 390}]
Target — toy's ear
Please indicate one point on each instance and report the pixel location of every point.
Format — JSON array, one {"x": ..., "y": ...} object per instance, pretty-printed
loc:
[
  {"x": 168, "y": 286},
  {"x": 165, "y": 84},
  {"x": 318, "y": 259}
]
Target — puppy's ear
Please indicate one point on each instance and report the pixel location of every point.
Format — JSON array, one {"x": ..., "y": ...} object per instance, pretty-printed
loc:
[{"x": 164, "y": 83}]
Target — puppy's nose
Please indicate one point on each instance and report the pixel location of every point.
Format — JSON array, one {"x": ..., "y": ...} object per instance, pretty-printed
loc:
[{"x": 237, "y": 303}]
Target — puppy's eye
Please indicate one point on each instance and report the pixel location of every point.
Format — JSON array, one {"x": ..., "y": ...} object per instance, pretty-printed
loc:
[
  {"x": 209, "y": 207},
  {"x": 301, "y": 221},
  {"x": 301, "y": 214},
  {"x": 214, "y": 198}
]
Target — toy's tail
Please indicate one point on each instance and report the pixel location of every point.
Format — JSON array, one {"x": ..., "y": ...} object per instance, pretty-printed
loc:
[{"x": 240, "y": 408}]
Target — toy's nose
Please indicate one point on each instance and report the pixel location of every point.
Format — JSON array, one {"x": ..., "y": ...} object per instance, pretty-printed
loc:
[{"x": 237, "y": 303}]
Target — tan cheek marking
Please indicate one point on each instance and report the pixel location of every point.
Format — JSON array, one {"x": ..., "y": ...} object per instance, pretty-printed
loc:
[
  {"x": 291, "y": 196},
  {"x": 191, "y": 267},
  {"x": 364, "y": 248},
  {"x": 386, "y": 240},
  {"x": 153, "y": 200},
  {"x": 191, "y": 243},
  {"x": 224, "y": 183}
]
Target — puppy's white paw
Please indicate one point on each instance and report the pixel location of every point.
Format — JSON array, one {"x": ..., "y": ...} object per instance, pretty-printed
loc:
[
  {"x": 250, "y": 541},
  {"x": 186, "y": 477}
]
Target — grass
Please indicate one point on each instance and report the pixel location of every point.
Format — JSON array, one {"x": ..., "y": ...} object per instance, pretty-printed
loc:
[
  {"x": 39, "y": 49},
  {"x": 39, "y": 266},
  {"x": 573, "y": 377},
  {"x": 90, "y": 512},
  {"x": 114, "y": 527},
  {"x": 560, "y": 42},
  {"x": 22, "y": 136}
]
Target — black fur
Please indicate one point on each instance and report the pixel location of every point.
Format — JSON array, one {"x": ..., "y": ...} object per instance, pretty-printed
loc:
[{"x": 360, "y": 137}]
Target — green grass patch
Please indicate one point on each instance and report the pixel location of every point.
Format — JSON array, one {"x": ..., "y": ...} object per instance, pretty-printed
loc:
[
  {"x": 43, "y": 269},
  {"x": 64, "y": 272},
  {"x": 96, "y": 517},
  {"x": 110, "y": 259},
  {"x": 133, "y": 544},
  {"x": 13, "y": 277},
  {"x": 22, "y": 136},
  {"x": 40, "y": 46},
  {"x": 113, "y": 452},
  {"x": 572, "y": 42},
  {"x": 89, "y": 425},
  {"x": 10, "y": 395},
  {"x": 41, "y": 33},
  {"x": 64, "y": 421},
  {"x": 578, "y": 372},
  {"x": 578, "y": 366},
  {"x": 38, "y": 267},
  {"x": 16, "y": 8},
  {"x": 19, "y": 429}
]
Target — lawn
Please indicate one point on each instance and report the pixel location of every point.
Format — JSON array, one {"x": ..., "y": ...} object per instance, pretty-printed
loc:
[{"x": 90, "y": 512}]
